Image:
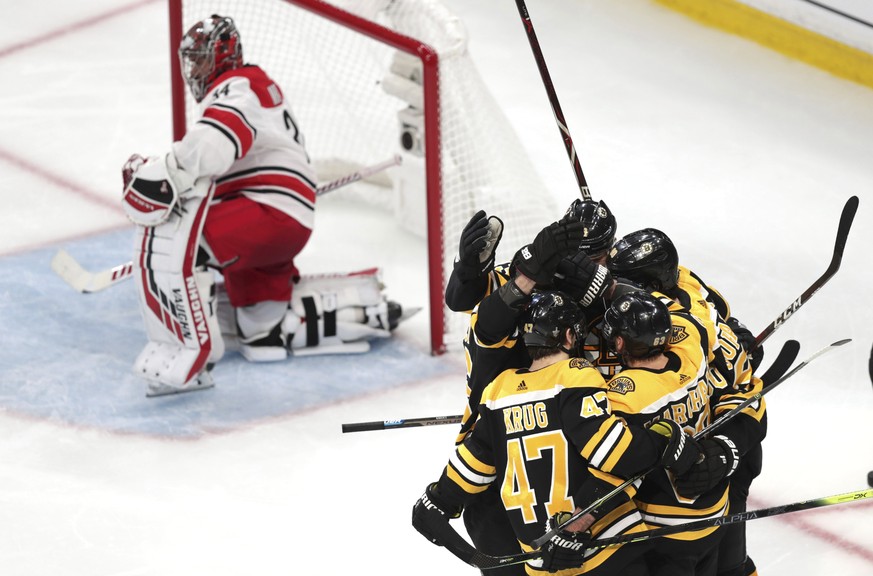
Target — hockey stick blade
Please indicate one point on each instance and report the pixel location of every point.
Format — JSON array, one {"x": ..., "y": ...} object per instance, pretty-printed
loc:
[
  {"x": 71, "y": 272},
  {"x": 407, "y": 423},
  {"x": 786, "y": 357},
  {"x": 846, "y": 219},
  {"x": 706, "y": 431}
]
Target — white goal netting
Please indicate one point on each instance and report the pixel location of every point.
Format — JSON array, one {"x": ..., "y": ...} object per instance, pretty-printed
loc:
[{"x": 361, "y": 100}]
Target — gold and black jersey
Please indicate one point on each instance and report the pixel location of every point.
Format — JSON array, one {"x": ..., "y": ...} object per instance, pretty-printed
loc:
[
  {"x": 485, "y": 361},
  {"x": 679, "y": 392},
  {"x": 537, "y": 435},
  {"x": 730, "y": 372}
]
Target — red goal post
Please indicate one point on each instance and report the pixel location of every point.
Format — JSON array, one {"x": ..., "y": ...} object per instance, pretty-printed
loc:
[{"x": 457, "y": 176}]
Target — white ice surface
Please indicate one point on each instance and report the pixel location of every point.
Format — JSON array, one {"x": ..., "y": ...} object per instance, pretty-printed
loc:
[{"x": 743, "y": 156}]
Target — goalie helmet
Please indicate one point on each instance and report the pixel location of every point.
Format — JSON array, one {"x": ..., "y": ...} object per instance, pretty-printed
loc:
[
  {"x": 641, "y": 320},
  {"x": 646, "y": 257},
  {"x": 207, "y": 50},
  {"x": 599, "y": 226},
  {"x": 549, "y": 315}
]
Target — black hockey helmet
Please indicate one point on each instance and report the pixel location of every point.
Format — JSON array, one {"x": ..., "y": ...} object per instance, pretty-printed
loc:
[
  {"x": 549, "y": 314},
  {"x": 642, "y": 321},
  {"x": 647, "y": 257},
  {"x": 599, "y": 226}
]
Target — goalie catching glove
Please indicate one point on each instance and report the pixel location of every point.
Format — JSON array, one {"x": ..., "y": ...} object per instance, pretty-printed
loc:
[
  {"x": 152, "y": 188},
  {"x": 478, "y": 243},
  {"x": 539, "y": 259}
]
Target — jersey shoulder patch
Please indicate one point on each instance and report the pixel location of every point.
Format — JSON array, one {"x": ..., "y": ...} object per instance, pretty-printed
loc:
[
  {"x": 679, "y": 334},
  {"x": 621, "y": 384},
  {"x": 580, "y": 363}
]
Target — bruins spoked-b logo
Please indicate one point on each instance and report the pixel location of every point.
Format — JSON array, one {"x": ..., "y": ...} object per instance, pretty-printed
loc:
[
  {"x": 580, "y": 363},
  {"x": 621, "y": 385},
  {"x": 679, "y": 334}
]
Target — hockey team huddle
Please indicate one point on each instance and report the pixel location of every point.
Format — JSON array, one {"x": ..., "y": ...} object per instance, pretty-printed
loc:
[{"x": 593, "y": 362}]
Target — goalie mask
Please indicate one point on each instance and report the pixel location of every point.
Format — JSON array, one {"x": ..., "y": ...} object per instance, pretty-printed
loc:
[
  {"x": 646, "y": 257},
  {"x": 642, "y": 321},
  {"x": 549, "y": 315},
  {"x": 599, "y": 226},
  {"x": 207, "y": 50}
]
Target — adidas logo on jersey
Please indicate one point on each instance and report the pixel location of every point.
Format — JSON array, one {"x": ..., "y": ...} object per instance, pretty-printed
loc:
[{"x": 521, "y": 387}]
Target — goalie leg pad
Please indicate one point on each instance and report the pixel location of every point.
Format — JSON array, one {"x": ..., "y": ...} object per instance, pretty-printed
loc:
[{"x": 177, "y": 301}]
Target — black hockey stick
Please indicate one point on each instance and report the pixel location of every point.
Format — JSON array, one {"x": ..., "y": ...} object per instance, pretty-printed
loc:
[
  {"x": 846, "y": 219},
  {"x": 407, "y": 423},
  {"x": 553, "y": 99},
  {"x": 786, "y": 357},
  {"x": 702, "y": 433}
]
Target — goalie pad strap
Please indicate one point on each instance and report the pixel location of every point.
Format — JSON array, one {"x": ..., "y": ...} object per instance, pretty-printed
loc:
[{"x": 311, "y": 320}]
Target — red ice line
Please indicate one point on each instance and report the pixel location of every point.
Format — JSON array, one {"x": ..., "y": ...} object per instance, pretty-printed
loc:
[
  {"x": 831, "y": 538},
  {"x": 38, "y": 171}
]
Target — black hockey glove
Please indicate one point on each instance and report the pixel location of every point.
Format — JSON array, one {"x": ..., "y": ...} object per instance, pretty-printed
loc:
[
  {"x": 682, "y": 451},
  {"x": 585, "y": 281},
  {"x": 477, "y": 246},
  {"x": 566, "y": 549},
  {"x": 539, "y": 260},
  {"x": 720, "y": 460},
  {"x": 747, "y": 341},
  {"x": 430, "y": 511}
]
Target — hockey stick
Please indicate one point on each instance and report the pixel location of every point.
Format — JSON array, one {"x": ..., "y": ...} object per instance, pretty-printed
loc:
[
  {"x": 719, "y": 422},
  {"x": 470, "y": 555},
  {"x": 408, "y": 423},
  {"x": 845, "y": 225},
  {"x": 783, "y": 362},
  {"x": 736, "y": 518},
  {"x": 553, "y": 99},
  {"x": 69, "y": 269}
]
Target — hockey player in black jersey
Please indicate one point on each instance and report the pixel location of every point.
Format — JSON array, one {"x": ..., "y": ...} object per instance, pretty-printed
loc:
[
  {"x": 664, "y": 378},
  {"x": 536, "y": 441},
  {"x": 650, "y": 258},
  {"x": 494, "y": 344}
]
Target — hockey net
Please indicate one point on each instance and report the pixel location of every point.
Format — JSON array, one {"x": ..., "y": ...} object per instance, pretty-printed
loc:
[{"x": 371, "y": 78}]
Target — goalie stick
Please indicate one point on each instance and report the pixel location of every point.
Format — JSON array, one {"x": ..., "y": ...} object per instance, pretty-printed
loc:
[
  {"x": 553, "y": 99},
  {"x": 781, "y": 365},
  {"x": 466, "y": 552},
  {"x": 86, "y": 282},
  {"x": 846, "y": 218}
]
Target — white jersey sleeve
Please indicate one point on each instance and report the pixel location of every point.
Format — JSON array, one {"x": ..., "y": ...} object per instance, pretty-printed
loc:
[{"x": 247, "y": 139}]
